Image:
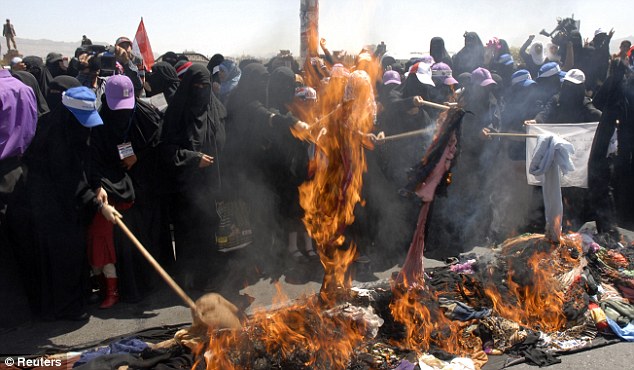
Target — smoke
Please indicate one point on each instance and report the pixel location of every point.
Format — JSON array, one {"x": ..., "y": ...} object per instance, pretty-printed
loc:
[{"x": 487, "y": 202}]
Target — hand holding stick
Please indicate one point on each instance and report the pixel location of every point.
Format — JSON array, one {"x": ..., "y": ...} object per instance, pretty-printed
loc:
[{"x": 210, "y": 311}]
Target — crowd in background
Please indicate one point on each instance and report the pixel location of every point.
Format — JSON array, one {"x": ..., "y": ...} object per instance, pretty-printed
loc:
[{"x": 86, "y": 141}]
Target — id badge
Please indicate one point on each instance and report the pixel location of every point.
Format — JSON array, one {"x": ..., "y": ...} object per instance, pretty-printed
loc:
[{"x": 125, "y": 150}]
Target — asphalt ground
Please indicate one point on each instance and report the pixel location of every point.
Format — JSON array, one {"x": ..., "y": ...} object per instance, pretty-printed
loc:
[{"x": 162, "y": 308}]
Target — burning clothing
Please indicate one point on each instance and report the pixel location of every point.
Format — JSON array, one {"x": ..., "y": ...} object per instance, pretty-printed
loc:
[{"x": 424, "y": 180}]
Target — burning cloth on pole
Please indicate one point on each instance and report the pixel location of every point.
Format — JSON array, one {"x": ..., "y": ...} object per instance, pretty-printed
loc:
[{"x": 424, "y": 180}]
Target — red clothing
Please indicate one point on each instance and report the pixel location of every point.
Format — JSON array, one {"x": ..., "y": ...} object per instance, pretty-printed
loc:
[{"x": 101, "y": 239}]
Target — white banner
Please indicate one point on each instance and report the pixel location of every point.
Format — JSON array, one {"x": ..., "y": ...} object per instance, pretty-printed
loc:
[{"x": 580, "y": 135}]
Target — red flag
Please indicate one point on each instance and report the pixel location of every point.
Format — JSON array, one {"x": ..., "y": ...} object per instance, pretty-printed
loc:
[{"x": 142, "y": 48}]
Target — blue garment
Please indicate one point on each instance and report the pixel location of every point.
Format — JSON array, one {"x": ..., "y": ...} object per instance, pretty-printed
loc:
[
  {"x": 626, "y": 333},
  {"x": 230, "y": 81},
  {"x": 456, "y": 310},
  {"x": 126, "y": 345},
  {"x": 405, "y": 365}
]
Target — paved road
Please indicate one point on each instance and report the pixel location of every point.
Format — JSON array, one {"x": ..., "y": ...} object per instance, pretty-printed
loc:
[{"x": 163, "y": 307}]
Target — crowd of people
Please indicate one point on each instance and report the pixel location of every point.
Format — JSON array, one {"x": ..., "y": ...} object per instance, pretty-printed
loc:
[{"x": 83, "y": 142}]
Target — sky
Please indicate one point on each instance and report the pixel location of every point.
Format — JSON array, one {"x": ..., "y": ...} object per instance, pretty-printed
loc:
[{"x": 262, "y": 27}]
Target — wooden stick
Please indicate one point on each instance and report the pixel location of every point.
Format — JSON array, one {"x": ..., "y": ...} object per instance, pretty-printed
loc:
[
  {"x": 168, "y": 279},
  {"x": 437, "y": 106},
  {"x": 511, "y": 134},
  {"x": 401, "y": 136}
]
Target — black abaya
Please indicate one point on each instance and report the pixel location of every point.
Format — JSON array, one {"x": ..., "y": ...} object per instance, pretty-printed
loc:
[{"x": 62, "y": 203}]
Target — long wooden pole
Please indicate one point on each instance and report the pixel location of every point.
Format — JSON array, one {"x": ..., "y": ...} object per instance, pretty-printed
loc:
[
  {"x": 510, "y": 134},
  {"x": 416, "y": 132},
  {"x": 439, "y": 106},
  {"x": 401, "y": 136},
  {"x": 168, "y": 279}
]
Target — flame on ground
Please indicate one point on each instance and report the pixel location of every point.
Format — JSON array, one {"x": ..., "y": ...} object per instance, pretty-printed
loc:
[
  {"x": 538, "y": 304},
  {"x": 425, "y": 323},
  {"x": 305, "y": 331}
]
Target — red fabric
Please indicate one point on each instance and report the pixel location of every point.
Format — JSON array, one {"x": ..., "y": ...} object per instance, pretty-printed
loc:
[
  {"x": 142, "y": 46},
  {"x": 101, "y": 239},
  {"x": 101, "y": 242},
  {"x": 413, "y": 272}
]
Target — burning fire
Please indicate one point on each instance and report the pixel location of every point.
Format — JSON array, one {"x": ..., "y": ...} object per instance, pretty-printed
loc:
[
  {"x": 539, "y": 303},
  {"x": 309, "y": 333},
  {"x": 426, "y": 324},
  {"x": 346, "y": 113},
  {"x": 303, "y": 333}
]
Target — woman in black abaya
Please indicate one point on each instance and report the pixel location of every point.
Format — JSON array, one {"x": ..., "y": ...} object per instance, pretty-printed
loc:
[
  {"x": 163, "y": 79},
  {"x": 63, "y": 203},
  {"x": 191, "y": 142},
  {"x": 29, "y": 80}
]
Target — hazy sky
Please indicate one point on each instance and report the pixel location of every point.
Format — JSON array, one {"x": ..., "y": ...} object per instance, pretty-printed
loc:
[{"x": 261, "y": 27}]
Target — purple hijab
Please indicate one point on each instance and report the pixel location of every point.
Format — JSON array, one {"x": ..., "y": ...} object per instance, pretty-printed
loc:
[{"x": 18, "y": 115}]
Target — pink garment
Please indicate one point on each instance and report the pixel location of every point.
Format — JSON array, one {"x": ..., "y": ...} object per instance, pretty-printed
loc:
[{"x": 413, "y": 272}]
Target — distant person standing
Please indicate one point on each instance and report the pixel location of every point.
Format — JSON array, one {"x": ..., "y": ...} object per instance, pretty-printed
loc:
[
  {"x": 9, "y": 32},
  {"x": 85, "y": 41}
]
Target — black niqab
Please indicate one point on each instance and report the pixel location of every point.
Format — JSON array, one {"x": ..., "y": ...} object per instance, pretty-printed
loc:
[
  {"x": 438, "y": 52},
  {"x": 471, "y": 56},
  {"x": 281, "y": 89},
  {"x": 56, "y": 87},
  {"x": 194, "y": 124},
  {"x": 35, "y": 66},
  {"x": 251, "y": 87},
  {"x": 163, "y": 79},
  {"x": 29, "y": 80},
  {"x": 214, "y": 62}
]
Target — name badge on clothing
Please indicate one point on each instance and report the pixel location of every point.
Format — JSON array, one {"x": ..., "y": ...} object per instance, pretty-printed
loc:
[{"x": 125, "y": 150}]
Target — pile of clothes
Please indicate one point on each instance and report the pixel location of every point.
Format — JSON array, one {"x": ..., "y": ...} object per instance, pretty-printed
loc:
[{"x": 587, "y": 282}]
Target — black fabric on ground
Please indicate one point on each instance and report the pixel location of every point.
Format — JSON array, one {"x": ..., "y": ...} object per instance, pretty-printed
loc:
[{"x": 532, "y": 354}]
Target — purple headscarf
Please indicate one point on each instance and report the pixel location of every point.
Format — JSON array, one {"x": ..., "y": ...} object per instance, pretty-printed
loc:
[{"x": 18, "y": 115}]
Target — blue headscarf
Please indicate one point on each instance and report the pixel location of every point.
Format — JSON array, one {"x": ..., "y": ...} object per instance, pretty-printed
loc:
[{"x": 232, "y": 73}]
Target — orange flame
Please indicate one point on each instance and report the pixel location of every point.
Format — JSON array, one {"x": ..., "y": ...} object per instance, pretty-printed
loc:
[
  {"x": 425, "y": 323},
  {"x": 539, "y": 304},
  {"x": 321, "y": 339},
  {"x": 346, "y": 112}
]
